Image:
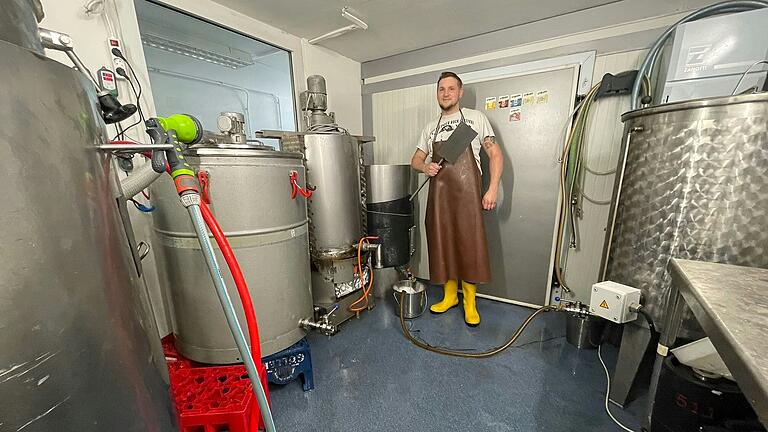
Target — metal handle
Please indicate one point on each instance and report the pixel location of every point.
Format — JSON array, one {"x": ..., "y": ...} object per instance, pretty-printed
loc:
[
  {"x": 296, "y": 189},
  {"x": 133, "y": 148},
  {"x": 412, "y": 239},
  {"x": 143, "y": 253}
]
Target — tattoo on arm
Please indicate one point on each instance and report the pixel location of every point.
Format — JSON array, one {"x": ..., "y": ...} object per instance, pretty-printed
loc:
[{"x": 489, "y": 142}]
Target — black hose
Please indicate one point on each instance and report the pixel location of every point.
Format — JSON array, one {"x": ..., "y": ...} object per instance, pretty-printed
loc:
[
  {"x": 484, "y": 354},
  {"x": 647, "y": 319}
]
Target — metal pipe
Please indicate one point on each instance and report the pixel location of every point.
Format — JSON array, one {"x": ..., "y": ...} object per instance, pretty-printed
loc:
[
  {"x": 245, "y": 90},
  {"x": 653, "y": 53},
  {"x": 134, "y": 148},
  {"x": 229, "y": 310},
  {"x": 324, "y": 327},
  {"x": 744, "y": 75}
]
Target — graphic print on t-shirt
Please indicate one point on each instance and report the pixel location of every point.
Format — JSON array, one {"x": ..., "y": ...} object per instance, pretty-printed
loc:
[{"x": 446, "y": 129}]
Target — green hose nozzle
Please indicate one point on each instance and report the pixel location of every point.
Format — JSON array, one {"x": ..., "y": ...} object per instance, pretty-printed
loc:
[{"x": 188, "y": 128}]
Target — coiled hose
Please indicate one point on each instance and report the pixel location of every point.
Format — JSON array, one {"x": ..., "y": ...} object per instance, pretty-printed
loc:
[{"x": 484, "y": 354}]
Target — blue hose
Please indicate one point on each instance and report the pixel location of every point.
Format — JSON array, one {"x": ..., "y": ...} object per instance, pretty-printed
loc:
[{"x": 229, "y": 312}]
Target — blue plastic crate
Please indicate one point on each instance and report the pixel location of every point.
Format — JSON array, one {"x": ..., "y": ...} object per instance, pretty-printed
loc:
[{"x": 290, "y": 364}]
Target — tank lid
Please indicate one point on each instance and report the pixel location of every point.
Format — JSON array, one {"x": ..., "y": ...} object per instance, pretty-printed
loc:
[
  {"x": 239, "y": 150},
  {"x": 694, "y": 104}
]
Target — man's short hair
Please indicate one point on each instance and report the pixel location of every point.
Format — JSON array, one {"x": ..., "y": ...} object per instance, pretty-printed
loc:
[{"x": 448, "y": 74}]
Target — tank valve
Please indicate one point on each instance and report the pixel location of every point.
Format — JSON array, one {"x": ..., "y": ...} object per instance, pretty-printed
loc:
[
  {"x": 377, "y": 253},
  {"x": 577, "y": 308},
  {"x": 323, "y": 326}
]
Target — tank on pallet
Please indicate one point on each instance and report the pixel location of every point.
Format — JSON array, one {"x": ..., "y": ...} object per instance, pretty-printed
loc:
[
  {"x": 694, "y": 187},
  {"x": 80, "y": 349},
  {"x": 250, "y": 188},
  {"x": 337, "y": 217}
]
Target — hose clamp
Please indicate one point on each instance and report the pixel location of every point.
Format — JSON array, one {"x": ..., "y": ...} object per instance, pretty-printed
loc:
[{"x": 190, "y": 199}]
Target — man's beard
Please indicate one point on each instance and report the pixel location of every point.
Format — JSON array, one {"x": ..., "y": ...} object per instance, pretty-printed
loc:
[{"x": 447, "y": 107}]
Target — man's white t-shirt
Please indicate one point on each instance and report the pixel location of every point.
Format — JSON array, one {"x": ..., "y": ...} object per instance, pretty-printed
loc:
[{"x": 474, "y": 119}]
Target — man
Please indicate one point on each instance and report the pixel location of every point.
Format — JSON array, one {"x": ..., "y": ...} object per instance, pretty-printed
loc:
[{"x": 458, "y": 249}]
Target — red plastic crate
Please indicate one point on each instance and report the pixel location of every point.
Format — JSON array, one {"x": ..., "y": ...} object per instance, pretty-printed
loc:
[{"x": 212, "y": 398}]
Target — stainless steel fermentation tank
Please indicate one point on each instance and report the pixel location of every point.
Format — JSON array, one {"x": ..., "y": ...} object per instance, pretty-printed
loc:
[
  {"x": 335, "y": 208},
  {"x": 695, "y": 187},
  {"x": 337, "y": 219},
  {"x": 80, "y": 349},
  {"x": 250, "y": 193}
]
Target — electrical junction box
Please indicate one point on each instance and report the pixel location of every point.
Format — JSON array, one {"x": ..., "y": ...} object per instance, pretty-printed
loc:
[{"x": 611, "y": 300}]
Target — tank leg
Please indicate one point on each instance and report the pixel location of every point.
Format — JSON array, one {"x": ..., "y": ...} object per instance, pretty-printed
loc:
[{"x": 634, "y": 345}]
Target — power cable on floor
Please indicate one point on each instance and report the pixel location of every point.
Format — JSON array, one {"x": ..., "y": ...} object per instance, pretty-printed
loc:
[{"x": 608, "y": 389}]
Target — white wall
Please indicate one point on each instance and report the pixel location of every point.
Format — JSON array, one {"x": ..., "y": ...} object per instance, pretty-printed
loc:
[
  {"x": 602, "y": 142},
  {"x": 342, "y": 77},
  {"x": 90, "y": 34}
]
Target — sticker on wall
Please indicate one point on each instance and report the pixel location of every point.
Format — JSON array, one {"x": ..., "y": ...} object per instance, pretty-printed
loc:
[
  {"x": 529, "y": 98},
  {"x": 490, "y": 103},
  {"x": 516, "y": 100},
  {"x": 542, "y": 97},
  {"x": 504, "y": 101},
  {"x": 515, "y": 115}
]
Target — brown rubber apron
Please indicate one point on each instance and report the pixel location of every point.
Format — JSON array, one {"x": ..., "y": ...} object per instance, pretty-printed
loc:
[{"x": 458, "y": 248}]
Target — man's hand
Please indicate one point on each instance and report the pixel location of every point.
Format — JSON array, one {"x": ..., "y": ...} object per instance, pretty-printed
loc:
[
  {"x": 489, "y": 199},
  {"x": 431, "y": 169}
]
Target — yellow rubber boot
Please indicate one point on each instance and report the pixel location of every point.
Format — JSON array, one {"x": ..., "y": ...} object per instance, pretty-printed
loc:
[
  {"x": 450, "y": 298},
  {"x": 471, "y": 316}
]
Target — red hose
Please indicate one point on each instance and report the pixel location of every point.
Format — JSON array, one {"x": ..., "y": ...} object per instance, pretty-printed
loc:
[{"x": 243, "y": 292}]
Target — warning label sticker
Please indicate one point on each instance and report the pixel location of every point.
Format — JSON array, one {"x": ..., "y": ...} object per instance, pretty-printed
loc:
[{"x": 604, "y": 304}]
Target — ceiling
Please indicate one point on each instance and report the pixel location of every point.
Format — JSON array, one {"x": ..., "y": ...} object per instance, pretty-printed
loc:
[{"x": 397, "y": 26}]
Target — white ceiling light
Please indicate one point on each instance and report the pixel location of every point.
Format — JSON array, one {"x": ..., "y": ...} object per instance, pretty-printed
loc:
[
  {"x": 164, "y": 44},
  {"x": 357, "y": 23}
]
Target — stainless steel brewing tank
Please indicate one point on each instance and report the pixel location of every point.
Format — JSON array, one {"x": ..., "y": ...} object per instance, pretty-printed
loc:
[
  {"x": 250, "y": 193},
  {"x": 336, "y": 208},
  {"x": 695, "y": 187},
  {"x": 80, "y": 350}
]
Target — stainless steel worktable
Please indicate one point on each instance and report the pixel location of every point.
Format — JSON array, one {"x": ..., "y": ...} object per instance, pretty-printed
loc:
[{"x": 731, "y": 304}]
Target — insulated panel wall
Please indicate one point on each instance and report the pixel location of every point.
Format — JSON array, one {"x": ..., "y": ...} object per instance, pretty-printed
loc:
[
  {"x": 398, "y": 118},
  {"x": 603, "y": 138}
]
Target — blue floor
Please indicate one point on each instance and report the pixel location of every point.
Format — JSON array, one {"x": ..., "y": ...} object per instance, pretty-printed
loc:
[{"x": 370, "y": 378}]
